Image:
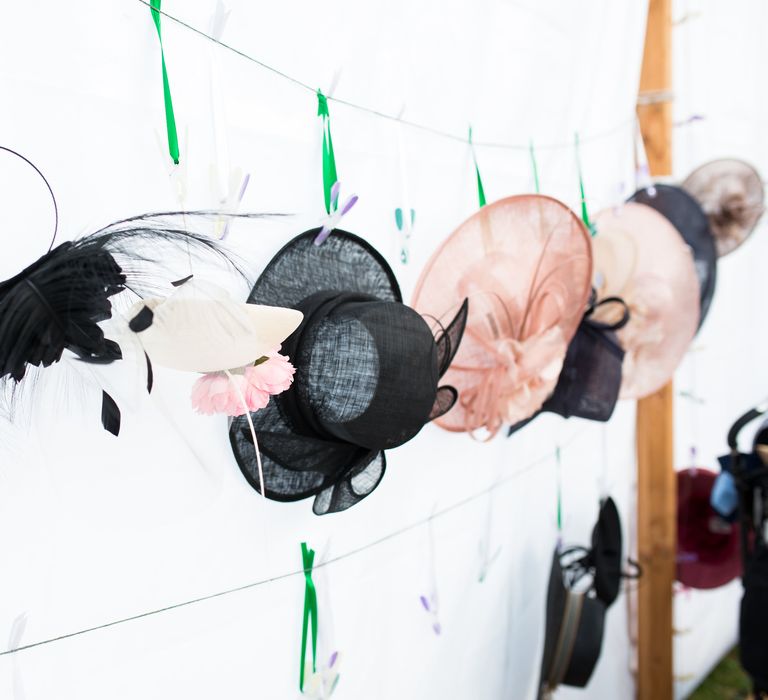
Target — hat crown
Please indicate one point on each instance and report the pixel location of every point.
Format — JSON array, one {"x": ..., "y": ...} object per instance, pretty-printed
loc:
[{"x": 366, "y": 369}]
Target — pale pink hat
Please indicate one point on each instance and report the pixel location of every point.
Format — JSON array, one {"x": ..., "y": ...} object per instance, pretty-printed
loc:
[{"x": 640, "y": 257}]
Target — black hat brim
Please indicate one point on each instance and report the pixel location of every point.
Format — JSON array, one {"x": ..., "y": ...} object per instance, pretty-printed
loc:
[
  {"x": 573, "y": 634},
  {"x": 346, "y": 263},
  {"x": 687, "y": 216},
  {"x": 343, "y": 262}
]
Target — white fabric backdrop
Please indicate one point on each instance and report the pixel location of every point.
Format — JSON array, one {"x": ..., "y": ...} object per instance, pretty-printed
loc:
[{"x": 94, "y": 529}]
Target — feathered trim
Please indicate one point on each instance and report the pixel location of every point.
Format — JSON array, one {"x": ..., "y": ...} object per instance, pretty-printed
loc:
[{"x": 58, "y": 301}]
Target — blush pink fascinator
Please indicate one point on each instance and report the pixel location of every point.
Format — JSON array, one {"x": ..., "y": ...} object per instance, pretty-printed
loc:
[
  {"x": 525, "y": 264},
  {"x": 640, "y": 257}
]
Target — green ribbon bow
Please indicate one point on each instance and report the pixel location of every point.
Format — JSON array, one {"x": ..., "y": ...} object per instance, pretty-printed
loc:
[
  {"x": 310, "y": 612},
  {"x": 480, "y": 190},
  {"x": 329, "y": 159},
  {"x": 584, "y": 213},
  {"x": 170, "y": 120}
]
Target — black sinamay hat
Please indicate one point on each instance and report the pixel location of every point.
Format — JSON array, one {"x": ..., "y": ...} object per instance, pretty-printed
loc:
[
  {"x": 367, "y": 373},
  {"x": 575, "y": 619}
]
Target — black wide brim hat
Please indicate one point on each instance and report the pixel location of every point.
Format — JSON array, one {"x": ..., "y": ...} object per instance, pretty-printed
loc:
[
  {"x": 687, "y": 216},
  {"x": 573, "y": 636},
  {"x": 367, "y": 371}
]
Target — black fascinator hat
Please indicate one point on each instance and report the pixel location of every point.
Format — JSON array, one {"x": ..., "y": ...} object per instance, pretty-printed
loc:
[
  {"x": 367, "y": 372},
  {"x": 589, "y": 382},
  {"x": 687, "y": 216}
]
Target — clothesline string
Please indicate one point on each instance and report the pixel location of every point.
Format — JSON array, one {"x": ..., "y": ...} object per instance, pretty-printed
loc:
[
  {"x": 609, "y": 131},
  {"x": 300, "y": 572}
]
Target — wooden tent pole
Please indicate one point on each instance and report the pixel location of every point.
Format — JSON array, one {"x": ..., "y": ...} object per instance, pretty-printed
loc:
[{"x": 656, "y": 485}]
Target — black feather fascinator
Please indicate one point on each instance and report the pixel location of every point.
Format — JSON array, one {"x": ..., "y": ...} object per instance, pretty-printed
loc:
[{"x": 57, "y": 302}]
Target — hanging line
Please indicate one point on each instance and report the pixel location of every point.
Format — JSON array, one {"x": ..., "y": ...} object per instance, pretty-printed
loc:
[
  {"x": 170, "y": 120},
  {"x": 310, "y": 612},
  {"x": 50, "y": 190},
  {"x": 555, "y": 145},
  {"x": 533, "y": 166},
  {"x": 511, "y": 478},
  {"x": 480, "y": 190},
  {"x": 584, "y": 211},
  {"x": 329, "y": 159}
]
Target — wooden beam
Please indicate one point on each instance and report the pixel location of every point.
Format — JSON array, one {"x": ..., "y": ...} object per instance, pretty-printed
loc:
[{"x": 656, "y": 497}]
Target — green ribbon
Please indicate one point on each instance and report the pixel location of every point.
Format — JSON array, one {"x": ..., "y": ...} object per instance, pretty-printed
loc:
[
  {"x": 170, "y": 120},
  {"x": 480, "y": 190},
  {"x": 533, "y": 166},
  {"x": 329, "y": 159},
  {"x": 310, "y": 612},
  {"x": 584, "y": 213}
]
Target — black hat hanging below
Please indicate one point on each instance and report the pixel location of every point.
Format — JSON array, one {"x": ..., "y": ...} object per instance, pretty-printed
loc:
[
  {"x": 687, "y": 216},
  {"x": 575, "y": 618},
  {"x": 367, "y": 373},
  {"x": 573, "y": 636},
  {"x": 589, "y": 382}
]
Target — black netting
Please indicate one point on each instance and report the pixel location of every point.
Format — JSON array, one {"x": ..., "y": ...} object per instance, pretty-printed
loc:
[
  {"x": 589, "y": 382},
  {"x": 446, "y": 397},
  {"x": 366, "y": 376},
  {"x": 687, "y": 216},
  {"x": 448, "y": 341}
]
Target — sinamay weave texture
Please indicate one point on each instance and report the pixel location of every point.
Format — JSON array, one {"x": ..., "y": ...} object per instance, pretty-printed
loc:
[{"x": 367, "y": 371}]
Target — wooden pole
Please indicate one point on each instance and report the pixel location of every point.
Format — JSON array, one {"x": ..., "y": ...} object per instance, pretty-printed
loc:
[{"x": 656, "y": 497}]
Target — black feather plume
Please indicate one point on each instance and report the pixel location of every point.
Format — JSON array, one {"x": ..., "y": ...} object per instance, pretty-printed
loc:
[
  {"x": 57, "y": 302},
  {"x": 110, "y": 414}
]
